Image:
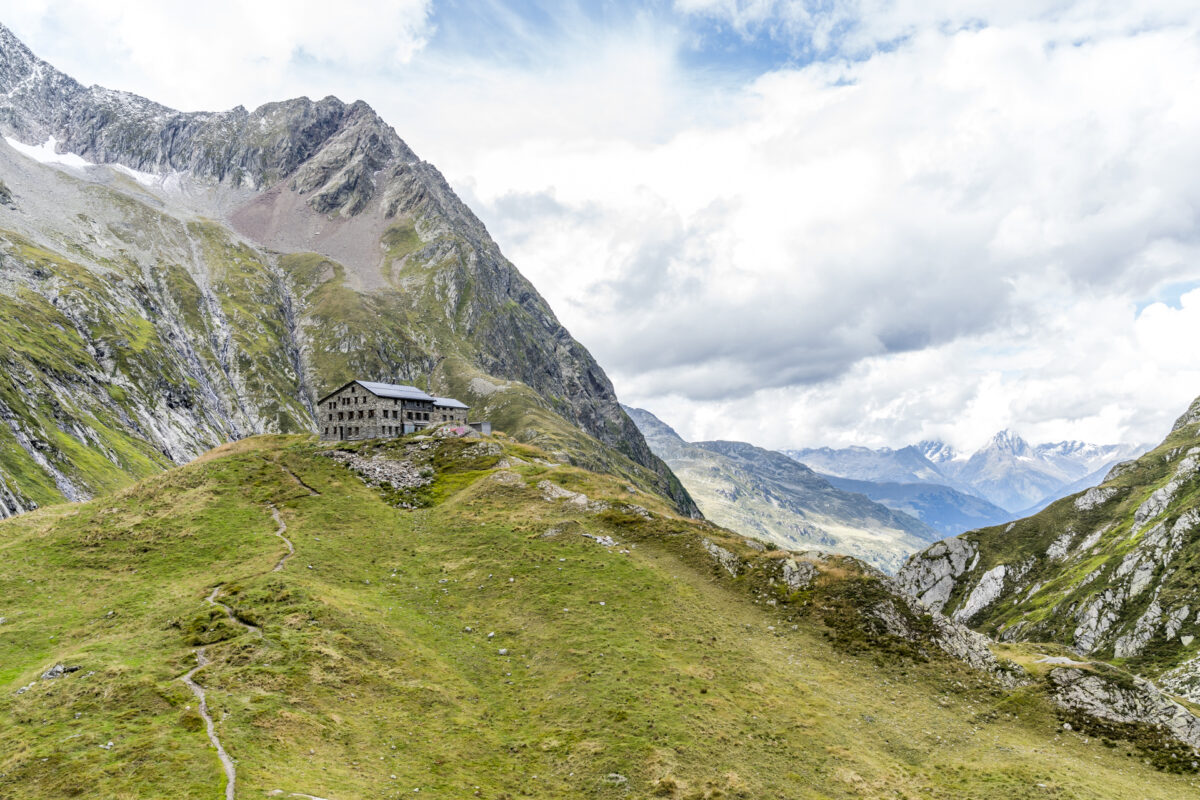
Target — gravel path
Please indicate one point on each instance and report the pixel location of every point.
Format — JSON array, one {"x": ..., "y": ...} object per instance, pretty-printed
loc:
[
  {"x": 202, "y": 661},
  {"x": 198, "y": 690},
  {"x": 282, "y": 529}
]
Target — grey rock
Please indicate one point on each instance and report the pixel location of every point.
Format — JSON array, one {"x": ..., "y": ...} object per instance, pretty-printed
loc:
[
  {"x": 1156, "y": 503},
  {"x": 1093, "y": 694},
  {"x": 57, "y": 671},
  {"x": 931, "y": 575},
  {"x": 1189, "y": 417},
  {"x": 798, "y": 574},
  {"x": 984, "y": 594},
  {"x": 726, "y": 559},
  {"x": 1094, "y": 497},
  {"x": 1096, "y": 618},
  {"x": 1132, "y": 643}
]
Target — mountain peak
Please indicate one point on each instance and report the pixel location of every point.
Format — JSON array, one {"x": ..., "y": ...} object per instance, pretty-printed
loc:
[
  {"x": 936, "y": 451},
  {"x": 1008, "y": 441},
  {"x": 652, "y": 426},
  {"x": 1190, "y": 417}
]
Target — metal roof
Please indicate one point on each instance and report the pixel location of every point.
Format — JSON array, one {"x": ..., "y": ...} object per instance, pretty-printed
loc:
[
  {"x": 394, "y": 390},
  {"x": 449, "y": 402}
]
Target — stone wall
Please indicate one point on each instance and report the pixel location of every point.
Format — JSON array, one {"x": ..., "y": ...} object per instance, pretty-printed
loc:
[{"x": 354, "y": 414}]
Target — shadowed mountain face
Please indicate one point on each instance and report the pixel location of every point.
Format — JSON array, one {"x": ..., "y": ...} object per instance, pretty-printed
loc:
[
  {"x": 766, "y": 495},
  {"x": 1110, "y": 572},
  {"x": 947, "y": 510},
  {"x": 171, "y": 280}
]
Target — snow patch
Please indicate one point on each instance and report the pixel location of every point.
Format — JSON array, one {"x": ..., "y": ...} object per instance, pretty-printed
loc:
[
  {"x": 144, "y": 178},
  {"x": 47, "y": 154}
]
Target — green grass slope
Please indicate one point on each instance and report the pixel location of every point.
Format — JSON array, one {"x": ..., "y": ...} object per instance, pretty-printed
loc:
[{"x": 481, "y": 645}]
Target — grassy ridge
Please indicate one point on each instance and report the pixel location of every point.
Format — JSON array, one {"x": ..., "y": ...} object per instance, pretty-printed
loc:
[{"x": 636, "y": 670}]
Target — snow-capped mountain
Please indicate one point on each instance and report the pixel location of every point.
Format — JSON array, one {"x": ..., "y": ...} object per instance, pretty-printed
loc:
[{"x": 1008, "y": 471}]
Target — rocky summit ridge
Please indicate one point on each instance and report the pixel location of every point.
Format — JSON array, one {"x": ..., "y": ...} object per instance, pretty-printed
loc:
[{"x": 171, "y": 280}]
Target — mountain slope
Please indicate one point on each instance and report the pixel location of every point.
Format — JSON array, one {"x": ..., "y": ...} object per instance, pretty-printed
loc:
[
  {"x": 485, "y": 645},
  {"x": 172, "y": 280},
  {"x": 1111, "y": 572},
  {"x": 767, "y": 495},
  {"x": 947, "y": 510}
]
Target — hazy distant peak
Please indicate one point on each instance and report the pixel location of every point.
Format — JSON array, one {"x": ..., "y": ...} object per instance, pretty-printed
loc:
[
  {"x": 1010, "y": 442},
  {"x": 651, "y": 425},
  {"x": 936, "y": 451}
]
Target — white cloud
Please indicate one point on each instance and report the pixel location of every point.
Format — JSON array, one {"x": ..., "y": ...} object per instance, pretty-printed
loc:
[
  {"x": 943, "y": 200},
  {"x": 942, "y": 237},
  {"x": 214, "y": 55}
]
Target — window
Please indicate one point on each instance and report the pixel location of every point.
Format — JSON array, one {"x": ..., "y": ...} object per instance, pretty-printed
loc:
[
  {"x": 410, "y": 415},
  {"x": 327, "y": 431},
  {"x": 426, "y": 415},
  {"x": 360, "y": 414},
  {"x": 371, "y": 413},
  {"x": 341, "y": 415}
]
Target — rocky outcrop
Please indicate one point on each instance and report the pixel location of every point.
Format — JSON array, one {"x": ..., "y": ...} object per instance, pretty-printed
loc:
[
  {"x": 931, "y": 575},
  {"x": 725, "y": 558},
  {"x": 1189, "y": 417},
  {"x": 1134, "y": 702},
  {"x": 1109, "y": 573},
  {"x": 1094, "y": 497}
]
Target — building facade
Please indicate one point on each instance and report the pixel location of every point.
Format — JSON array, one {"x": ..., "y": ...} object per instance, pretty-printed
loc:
[{"x": 367, "y": 410}]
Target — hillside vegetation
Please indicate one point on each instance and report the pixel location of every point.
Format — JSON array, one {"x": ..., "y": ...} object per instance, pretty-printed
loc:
[
  {"x": 1112, "y": 572},
  {"x": 477, "y": 626}
]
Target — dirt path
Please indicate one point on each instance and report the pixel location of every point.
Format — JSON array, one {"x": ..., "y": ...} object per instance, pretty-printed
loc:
[
  {"x": 282, "y": 529},
  {"x": 301, "y": 482},
  {"x": 202, "y": 661},
  {"x": 212, "y": 599},
  {"x": 210, "y": 726}
]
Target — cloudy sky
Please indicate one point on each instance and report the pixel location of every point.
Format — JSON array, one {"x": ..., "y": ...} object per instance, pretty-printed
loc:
[{"x": 794, "y": 223}]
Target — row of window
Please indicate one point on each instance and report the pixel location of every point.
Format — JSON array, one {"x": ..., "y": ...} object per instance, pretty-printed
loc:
[
  {"x": 386, "y": 430},
  {"x": 347, "y": 431},
  {"x": 347, "y": 401}
]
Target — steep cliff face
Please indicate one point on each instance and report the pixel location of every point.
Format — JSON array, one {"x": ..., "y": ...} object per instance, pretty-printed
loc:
[
  {"x": 1112, "y": 571},
  {"x": 175, "y": 279}
]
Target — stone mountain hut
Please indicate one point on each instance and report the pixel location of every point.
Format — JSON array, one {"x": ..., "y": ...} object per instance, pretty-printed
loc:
[{"x": 366, "y": 410}]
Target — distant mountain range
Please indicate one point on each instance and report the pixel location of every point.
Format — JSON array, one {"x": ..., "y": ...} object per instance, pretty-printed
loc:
[
  {"x": 1008, "y": 472},
  {"x": 947, "y": 510},
  {"x": 766, "y": 495}
]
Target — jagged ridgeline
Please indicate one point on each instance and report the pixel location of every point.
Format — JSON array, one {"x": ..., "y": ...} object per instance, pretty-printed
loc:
[
  {"x": 1112, "y": 572},
  {"x": 169, "y": 281}
]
